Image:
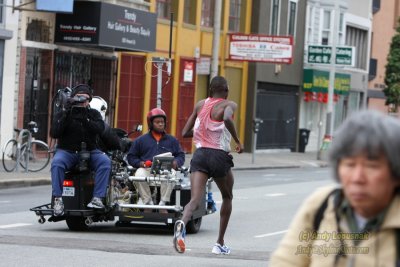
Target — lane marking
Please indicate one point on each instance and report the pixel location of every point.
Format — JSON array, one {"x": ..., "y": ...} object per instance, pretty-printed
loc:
[
  {"x": 269, "y": 175},
  {"x": 4, "y": 201},
  {"x": 310, "y": 163},
  {"x": 275, "y": 195},
  {"x": 271, "y": 234},
  {"x": 321, "y": 171},
  {"x": 14, "y": 225}
]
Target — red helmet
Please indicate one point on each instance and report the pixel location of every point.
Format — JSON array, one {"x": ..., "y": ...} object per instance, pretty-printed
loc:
[{"x": 155, "y": 112}]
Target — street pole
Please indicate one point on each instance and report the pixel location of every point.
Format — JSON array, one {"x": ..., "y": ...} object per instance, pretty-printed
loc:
[
  {"x": 332, "y": 68},
  {"x": 160, "y": 64},
  {"x": 159, "y": 82},
  {"x": 216, "y": 37}
]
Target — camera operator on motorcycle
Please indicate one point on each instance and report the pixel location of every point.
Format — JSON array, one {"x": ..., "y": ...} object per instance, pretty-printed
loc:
[
  {"x": 73, "y": 125},
  {"x": 144, "y": 148}
]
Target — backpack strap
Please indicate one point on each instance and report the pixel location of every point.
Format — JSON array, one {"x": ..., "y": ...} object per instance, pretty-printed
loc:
[
  {"x": 397, "y": 247},
  {"x": 319, "y": 215}
]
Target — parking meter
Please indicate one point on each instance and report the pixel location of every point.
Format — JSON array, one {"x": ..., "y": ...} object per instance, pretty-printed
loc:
[{"x": 256, "y": 128}]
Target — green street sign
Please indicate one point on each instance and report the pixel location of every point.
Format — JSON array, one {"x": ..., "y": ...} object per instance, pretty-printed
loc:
[{"x": 321, "y": 54}]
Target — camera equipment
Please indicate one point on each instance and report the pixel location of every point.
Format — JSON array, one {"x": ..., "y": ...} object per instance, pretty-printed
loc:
[
  {"x": 84, "y": 157},
  {"x": 78, "y": 99}
]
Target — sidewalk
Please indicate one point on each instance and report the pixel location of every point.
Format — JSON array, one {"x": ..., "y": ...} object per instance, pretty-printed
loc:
[{"x": 262, "y": 160}]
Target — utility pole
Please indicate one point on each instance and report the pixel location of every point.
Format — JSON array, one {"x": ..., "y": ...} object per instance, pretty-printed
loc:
[
  {"x": 332, "y": 68},
  {"x": 160, "y": 63},
  {"x": 216, "y": 37}
]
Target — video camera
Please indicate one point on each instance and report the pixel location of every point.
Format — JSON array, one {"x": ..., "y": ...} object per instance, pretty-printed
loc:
[{"x": 77, "y": 99}]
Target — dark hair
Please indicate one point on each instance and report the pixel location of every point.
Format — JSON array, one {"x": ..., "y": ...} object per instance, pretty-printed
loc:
[
  {"x": 370, "y": 132},
  {"x": 218, "y": 85}
]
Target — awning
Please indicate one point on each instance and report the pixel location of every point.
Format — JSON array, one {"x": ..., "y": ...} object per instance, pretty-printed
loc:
[{"x": 317, "y": 81}]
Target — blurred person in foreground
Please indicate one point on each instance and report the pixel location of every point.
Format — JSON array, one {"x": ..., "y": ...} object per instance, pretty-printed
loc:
[
  {"x": 211, "y": 125},
  {"x": 358, "y": 222}
]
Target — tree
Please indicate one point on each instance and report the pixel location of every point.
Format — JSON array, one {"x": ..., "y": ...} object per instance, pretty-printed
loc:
[{"x": 392, "y": 74}]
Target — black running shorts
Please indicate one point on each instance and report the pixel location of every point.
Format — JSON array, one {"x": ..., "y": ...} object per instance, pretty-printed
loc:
[{"x": 215, "y": 163}]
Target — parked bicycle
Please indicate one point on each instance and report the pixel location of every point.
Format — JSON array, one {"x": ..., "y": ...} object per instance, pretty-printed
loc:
[{"x": 32, "y": 155}]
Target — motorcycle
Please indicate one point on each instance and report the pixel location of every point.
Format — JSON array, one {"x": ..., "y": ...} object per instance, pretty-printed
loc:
[{"x": 122, "y": 200}]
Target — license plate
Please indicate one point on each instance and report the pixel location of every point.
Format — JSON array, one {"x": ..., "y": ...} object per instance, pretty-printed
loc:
[{"x": 68, "y": 191}]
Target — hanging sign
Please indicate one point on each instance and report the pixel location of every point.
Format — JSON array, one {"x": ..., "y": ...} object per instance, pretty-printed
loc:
[{"x": 188, "y": 72}]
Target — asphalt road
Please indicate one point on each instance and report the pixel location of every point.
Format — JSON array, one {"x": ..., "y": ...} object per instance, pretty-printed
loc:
[{"x": 264, "y": 203}]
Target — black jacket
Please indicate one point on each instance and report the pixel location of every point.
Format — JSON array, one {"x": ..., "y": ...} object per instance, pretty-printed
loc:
[
  {"x": 109, "y": 139},
  {"x": 77, "y": 125}
]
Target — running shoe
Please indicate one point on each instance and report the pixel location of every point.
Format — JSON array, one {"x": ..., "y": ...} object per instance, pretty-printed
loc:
[
  {"x": 218, "y": 249},
  {"x": 58, "y": 206},
  {"x": 96, "y": 203},
  {"x": 179, "y": 236}
]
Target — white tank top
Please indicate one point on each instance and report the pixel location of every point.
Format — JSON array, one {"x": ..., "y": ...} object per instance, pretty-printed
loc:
[{"x": 208, "y": 132}]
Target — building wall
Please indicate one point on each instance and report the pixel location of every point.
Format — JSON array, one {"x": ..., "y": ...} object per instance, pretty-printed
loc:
[
  {"x": 287, "y": 74},
  {"x": 383, "y": 29},
  {"x": 191, "y": 41},
  {"x": 9, "y": 82},
  {"x": 356, "y": 16}
]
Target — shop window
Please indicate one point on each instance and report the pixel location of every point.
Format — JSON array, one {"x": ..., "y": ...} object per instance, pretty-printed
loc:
[
  {"x": 1, "y": 11},
  {"x": 292, "y": 17},
  {"x": 189, "y": 13},
  {"x": 38, "y": 31},
  {"x": 359, "y": 39},
  {"x": 166, "y": 7},
  {"x": 275, "y": 17},
  {"x": 234, "y": 15},
  {"x": 207, "y": 13},
  {"x": 326, "y": 27},
  {"x": 310, "y": 23}
]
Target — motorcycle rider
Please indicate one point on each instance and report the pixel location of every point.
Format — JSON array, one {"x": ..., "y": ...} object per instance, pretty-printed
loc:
[
  {"x": 153, "y": 143},
  {"x": 73, "y": 125}
]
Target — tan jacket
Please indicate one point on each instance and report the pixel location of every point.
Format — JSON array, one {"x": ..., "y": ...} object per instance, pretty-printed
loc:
[{"x": 301, "y": 247}]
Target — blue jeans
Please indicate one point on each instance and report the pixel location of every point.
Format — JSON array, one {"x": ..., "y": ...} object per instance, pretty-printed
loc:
[{"x": 64, "y": 161}]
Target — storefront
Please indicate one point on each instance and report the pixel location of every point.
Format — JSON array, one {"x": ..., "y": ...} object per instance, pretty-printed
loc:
[
  {"x": 314, "y": 102},
  {"x": 85, "y": 50}
]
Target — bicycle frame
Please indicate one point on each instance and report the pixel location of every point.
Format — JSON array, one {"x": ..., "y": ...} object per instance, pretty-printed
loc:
[
  {"x": 26, "y": 151},
  {"x": 19, "y": 145}
]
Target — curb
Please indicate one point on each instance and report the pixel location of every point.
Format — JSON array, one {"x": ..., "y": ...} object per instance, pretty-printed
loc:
[{"x": 15, "y": 183}]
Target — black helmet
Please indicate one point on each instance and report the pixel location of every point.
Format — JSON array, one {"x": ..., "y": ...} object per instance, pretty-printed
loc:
[{"x": 83, "y": 89}]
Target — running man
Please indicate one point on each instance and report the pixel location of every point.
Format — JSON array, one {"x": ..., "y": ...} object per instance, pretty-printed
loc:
[{"x": 211, "y": 125}]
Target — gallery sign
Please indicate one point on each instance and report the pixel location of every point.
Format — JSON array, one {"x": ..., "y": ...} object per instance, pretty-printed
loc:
[
  {"x": 261, "y": 48},
  {"x": 107, "y": 25}
]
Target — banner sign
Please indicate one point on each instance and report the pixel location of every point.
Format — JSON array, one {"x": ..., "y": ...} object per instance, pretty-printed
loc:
[
  {"x": 107, "y": 25},
  {"x": 261, "y": 48},
  {"x": 318, "y": 81}
]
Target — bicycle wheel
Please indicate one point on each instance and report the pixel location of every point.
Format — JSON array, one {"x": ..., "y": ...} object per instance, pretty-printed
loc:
[
  {"x": 39, "y": 156},
  {"x": 10, "y": 154}
]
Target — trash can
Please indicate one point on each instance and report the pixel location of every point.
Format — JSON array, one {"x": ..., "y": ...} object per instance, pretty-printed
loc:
[{"x": 304, "y": 134}]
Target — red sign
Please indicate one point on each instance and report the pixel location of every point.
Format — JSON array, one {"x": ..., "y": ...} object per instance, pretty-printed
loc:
[
  {"x": 261, "y": 48},
  {"x": 188, "y": 72}
]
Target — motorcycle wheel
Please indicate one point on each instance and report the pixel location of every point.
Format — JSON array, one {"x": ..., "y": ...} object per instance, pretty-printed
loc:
[
  {"x": 76, "y": 223},
  {"x": 193, "y": 226}
]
